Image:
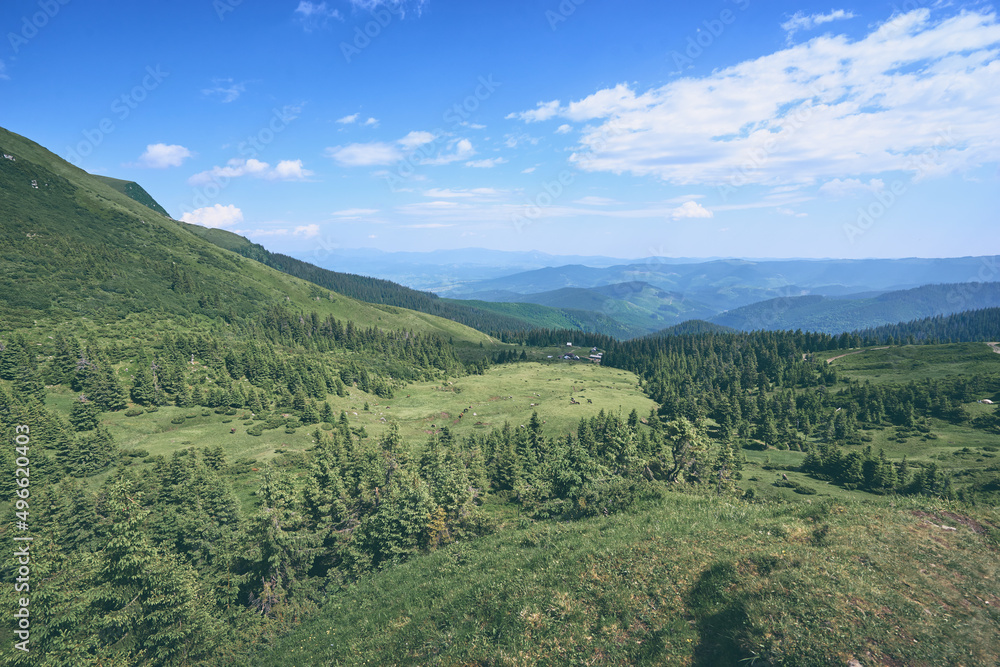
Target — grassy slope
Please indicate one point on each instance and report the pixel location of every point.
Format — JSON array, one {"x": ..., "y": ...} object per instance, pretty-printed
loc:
[
  {"x": 419, "y": 410},
  {"x": 77, "y": 246},
  {"x": 134, "y": 191},
  {"x": 706, "y": 581},
  {"x": 687, "y": 581}
]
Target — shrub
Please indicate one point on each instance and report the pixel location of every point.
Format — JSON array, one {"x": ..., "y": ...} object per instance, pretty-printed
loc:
[
  {"x": 257, "y": 429},
  {"x": 134, "y": 411}
]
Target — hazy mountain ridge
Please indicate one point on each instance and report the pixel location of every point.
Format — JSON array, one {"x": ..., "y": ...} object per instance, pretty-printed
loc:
[{"x": 837, "y": 315}]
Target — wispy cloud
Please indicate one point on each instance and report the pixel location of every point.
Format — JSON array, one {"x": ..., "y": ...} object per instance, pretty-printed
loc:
[
  {"x": 851, "y": 186},
  {"x": 314, "y": 15},
  {"x": 487, "y": 163},
  {"x": 398, "y": 6},
  {"x": 355, "y": 213},
  {"x": 3, "y": 70},
  {"x": 826, "y": 109},
  {"x": 227, "y": 90},
  {"x": 802, "y": 21},
  {"x": 378, "y": 153},
  {"x": 286, "y": 170},
  {"x": 349, "y": 120}
]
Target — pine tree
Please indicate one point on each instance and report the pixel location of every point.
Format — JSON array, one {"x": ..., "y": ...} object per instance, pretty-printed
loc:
[
  {"x": 143, "y": 385},
  {"x": 84, "y": 415}
]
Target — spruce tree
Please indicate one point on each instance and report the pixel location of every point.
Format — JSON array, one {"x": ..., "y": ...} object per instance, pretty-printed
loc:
[{"x": 84, "y": 415}]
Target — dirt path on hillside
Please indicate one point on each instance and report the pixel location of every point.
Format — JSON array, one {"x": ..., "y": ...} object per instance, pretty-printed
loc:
[
  {"x": 995, "y": 346},
  {"x": 841, "y": 356}
]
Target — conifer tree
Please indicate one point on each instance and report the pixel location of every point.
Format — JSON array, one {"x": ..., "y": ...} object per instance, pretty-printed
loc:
[{"x": 84, "y": 415}]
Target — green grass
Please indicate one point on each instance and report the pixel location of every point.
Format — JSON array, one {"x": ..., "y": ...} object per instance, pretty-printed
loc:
[
  {"x": 686, "y": 581},
  {"x": 917, "y": 362},
  {"x": 505, "y": 394}
]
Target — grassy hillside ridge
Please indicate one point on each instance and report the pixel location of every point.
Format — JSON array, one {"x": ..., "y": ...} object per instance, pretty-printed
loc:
[
  {"x": 134, "y": 191},
  {"x": 685, "y": 580},
  {"x": 371, "y": 290},
  {"x": 837, "y": 315},
  {"x": 75, "y": 246}
]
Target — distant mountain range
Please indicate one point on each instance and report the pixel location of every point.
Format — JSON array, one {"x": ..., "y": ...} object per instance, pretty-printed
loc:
[
  {"x": 819, "y": 295},
  {"x": 837, "y": 315}
]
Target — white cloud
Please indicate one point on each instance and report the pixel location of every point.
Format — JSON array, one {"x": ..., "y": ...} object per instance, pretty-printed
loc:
[
  {"x": 161, "y": 156},
  {"x": 461, "y": 149},
  {"x": 416, "y": 145},
  {"x": 914, "y": 95},
  {"x": 514, "y": 140},
  {"x": 307, "y": 231},
  {"x": 851, "y": 186},
  {"x": 371, "y": 122},
  {"x": 355, "y": 212},
  {"x": 217, "y": 216},
  {"x": 564, "y": 129},
  {"x": 690, "y": 209},
  {"x": 487, "y": 163},
  {"x": 314, "y": 15},
  {"x": 398, "y": 6},
  {"x": 3, "y": 68},
  {"x": 287, "y": 170},
  {"x": 227, "y": 89},
  {"x": 416, "y": 139},
  {"x": 347, "y": 120},
  {"x": 528, "y": 170},
  {"x": 787, "y": 211},
  {"x": 802, "y": 21},
  {"x": 365, "y": 155},
  {"x": 544, "y": 111}
]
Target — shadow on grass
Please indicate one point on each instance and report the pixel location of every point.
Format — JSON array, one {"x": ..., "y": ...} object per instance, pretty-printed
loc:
[{"x": 719, "y": 604}]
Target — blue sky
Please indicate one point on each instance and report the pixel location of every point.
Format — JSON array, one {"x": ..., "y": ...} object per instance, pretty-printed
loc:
[{"x": 627, "y": 128}]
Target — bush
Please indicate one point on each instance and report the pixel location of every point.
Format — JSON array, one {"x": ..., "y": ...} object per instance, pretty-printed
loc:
[
  {"x": 177, "y": 420},
  {"x": 134, "y": 411},
  {"x": 257, "y": 429},
  {"x": 135, "y": 453}
]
